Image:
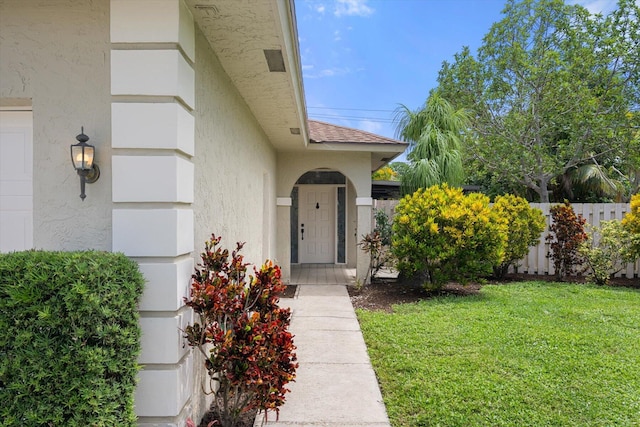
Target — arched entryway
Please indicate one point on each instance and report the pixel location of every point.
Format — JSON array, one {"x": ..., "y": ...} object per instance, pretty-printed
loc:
[
  {"x": 346, "y": 175},
  {"x": 319, "y": 218}
]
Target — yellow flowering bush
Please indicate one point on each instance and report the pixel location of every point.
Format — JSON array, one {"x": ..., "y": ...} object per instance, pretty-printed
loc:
[
  {"x": 631, "y": 223},
  {"x": 439, "y": 234},
  {"x": 525, "y": 223},
  {"x": 385, "y": 174}
]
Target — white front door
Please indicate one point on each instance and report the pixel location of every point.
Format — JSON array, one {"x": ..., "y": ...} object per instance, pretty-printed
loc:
[
  {"x": 316, "y": 223},
  {"x": 16, "y": 180}
]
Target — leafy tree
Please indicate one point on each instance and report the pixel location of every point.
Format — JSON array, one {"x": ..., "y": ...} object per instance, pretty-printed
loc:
[
  {"x": 629, "y": 172},
  {"x": 549, "y": 92},
  {"x": 631, "y": 223},
  {"x": 434, "y": 133},
  {"x": 589, "y": 183},
  {"x": 400, "y": 168},
  {"x": 385, "y": 173}
]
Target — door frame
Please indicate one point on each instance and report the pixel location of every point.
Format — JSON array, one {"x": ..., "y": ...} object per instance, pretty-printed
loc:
[
  {"x": 335, "y": 220},
  {"x": 332, "y": 201}
]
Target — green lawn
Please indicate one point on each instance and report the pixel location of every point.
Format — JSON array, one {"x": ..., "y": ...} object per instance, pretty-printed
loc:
[{"x": 525, "y": 354}]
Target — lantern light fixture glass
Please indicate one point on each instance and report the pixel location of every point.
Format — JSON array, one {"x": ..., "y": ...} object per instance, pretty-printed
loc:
[{"x": 82, "y": 156}]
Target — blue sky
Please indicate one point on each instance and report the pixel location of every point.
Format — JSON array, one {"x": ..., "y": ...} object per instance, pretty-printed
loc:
[{"x": 362, "y": 58}]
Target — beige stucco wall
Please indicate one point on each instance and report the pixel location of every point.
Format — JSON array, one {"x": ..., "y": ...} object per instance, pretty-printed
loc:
[
  {"x": 55, "y": 56},
  {"x": 356, "y": 166},
  {"x": 234, "y": 165}
]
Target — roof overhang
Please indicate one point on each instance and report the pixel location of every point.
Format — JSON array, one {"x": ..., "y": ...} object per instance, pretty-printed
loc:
[
  {"x": 245, "y": 35},
  {"x": 381, "y": 154}
]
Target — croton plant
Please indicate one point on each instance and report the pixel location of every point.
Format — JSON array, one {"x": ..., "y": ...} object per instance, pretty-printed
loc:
[{"x": 241, "y": 332}]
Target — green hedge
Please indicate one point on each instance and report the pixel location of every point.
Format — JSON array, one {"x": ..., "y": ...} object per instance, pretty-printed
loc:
[{"x": 69, "y": 338}]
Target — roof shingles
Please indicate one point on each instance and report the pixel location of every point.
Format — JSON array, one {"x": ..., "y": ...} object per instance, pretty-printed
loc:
[{"x": 321, "y": 132}]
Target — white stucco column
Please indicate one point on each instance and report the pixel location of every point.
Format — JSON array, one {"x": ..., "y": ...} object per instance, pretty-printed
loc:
[
  {"x": 364, "y": 206},
  {"x": 153, "y": 93},
  {"x": 283, "y": 244}
]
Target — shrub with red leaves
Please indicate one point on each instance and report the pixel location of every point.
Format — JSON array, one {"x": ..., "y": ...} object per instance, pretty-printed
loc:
[
  {"x": 242, "y": 332},
  {"x": 567, "y": 234}
]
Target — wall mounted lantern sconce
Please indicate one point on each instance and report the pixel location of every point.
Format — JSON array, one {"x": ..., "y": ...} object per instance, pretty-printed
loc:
[{"x": 82, "y": 155}]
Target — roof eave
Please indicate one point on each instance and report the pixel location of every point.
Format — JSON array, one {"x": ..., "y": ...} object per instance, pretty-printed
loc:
[
  {"x": 359, "y": 146},
  {"x": 239, "y": 33}
]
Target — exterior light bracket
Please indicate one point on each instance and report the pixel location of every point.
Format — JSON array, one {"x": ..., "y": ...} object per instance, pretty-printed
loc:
[{"x": 82, "y": 155}]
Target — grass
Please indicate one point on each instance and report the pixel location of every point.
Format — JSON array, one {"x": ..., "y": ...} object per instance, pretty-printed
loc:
[{"x": 525, "y": 354}]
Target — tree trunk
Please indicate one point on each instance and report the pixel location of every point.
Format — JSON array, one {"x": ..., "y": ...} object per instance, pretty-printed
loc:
[{"x": 543, "y": 190}]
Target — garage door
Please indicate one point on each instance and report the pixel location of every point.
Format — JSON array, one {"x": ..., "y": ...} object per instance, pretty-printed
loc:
[{"x": 16, "y": 180}]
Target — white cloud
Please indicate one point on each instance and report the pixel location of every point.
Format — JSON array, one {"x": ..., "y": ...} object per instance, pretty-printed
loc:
[
  {"x": 369, "y": 126},
  {"x": 328, "y": 72},
  {"x": 320, "y": 8},
  {"x": 352, "y": 8},
  {"x": 597, "y": 6},
  {"x": 336, "y": 36},
  {"x": 307, "y": 67}
]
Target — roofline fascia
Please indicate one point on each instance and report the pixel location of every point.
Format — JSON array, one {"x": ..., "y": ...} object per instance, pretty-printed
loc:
[
  {"x": 362, "y": 146},
  {"x": 286, "y": 10},
  {"x": 393, "y": 158}
]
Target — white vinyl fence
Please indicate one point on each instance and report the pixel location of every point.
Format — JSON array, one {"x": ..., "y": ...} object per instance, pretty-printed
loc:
[{"x": 537, "y": 262}]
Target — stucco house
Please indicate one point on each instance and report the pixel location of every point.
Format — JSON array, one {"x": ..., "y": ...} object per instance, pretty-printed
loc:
[{"x": 197, "y": 114}]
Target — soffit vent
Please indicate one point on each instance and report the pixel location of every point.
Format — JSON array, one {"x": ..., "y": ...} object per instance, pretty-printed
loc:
[{"x": 275, "y": 61}]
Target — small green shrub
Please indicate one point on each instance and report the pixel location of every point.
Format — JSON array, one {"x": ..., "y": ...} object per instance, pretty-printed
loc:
[
  {"x": 631, "y": 223},
  {"x": 567, "y": 234},
  {"x": 371, "y": 244},
  {"x": 383, "y": 227},
  {"x": 606, "y": 251},
  {"x": 377, "y": 244},
  {"x": 241, "y": 332},
  {"x": 525, "y": 225},
  {"x": 439, "y": 234},
  {"x": 69, "y": 338}
]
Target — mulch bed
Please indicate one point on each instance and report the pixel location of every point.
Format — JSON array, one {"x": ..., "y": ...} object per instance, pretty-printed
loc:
[
  {"x": 382, "y": 294},
  {"x": 210, "y": 419},
  {"x": 289, "y": 291}
]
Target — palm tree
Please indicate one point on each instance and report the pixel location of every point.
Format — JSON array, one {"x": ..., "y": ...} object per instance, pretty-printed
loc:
[
  {"x": 611, "y": 178},
  {"x": 588, "y": 183},
  {"x": 434, "y": 134}
]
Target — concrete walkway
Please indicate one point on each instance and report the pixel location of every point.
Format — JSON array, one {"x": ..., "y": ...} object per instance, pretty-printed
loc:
[{"x": 335, "y": 383}]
